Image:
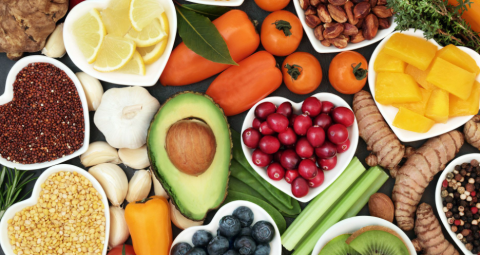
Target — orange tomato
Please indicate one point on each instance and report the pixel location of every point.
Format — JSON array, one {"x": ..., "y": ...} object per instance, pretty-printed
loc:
[
  {"x": 272, "y": 5},
  {"x": 118, "y": 250},
  {"x": 302, "y": 73},
  {"x": 282, "y": 32},
  {"x": 348, "y": 72}
]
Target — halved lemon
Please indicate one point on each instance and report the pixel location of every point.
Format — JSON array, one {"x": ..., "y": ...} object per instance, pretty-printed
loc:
[
  {"x": 114, "y": 54},
  {"x": 153, "y": 53},
  {"x": 150, "y": 35},
  {"x": 135, "y": 65},
  {"x": 114, "y": 17},
  {"x": 143, "y": 12},
  {"x": 89, "y": 32}
]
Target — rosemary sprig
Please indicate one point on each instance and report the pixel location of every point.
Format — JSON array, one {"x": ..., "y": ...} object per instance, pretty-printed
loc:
[{"x": 12, "y": 183}]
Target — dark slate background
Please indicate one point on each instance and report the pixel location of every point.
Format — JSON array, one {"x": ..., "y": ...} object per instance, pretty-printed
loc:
[{"x": 163, "y": 93}]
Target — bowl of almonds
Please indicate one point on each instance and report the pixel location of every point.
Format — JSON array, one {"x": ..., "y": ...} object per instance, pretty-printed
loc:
[{"x": 341, "y": 25}]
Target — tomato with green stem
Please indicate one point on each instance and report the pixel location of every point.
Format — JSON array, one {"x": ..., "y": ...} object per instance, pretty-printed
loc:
[
  {"x": 281, "y": 33},
  {"x": 272, "y": 5},
  {"x": 302, "y": 73},
  {"x": 348, "y": 72}
]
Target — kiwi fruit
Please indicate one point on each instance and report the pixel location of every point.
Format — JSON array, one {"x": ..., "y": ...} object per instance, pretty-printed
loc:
[
  {"x": 378, "y": 242},
  {"x": 338, "y": 246}
]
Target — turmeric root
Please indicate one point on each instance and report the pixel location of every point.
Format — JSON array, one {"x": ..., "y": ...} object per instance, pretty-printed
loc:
[
  {"x": 419, "y": 169},
  {"x": 387, "y": 151},
  {"x": 472, "y": 131},
  {"x": 430, "y": 238}
]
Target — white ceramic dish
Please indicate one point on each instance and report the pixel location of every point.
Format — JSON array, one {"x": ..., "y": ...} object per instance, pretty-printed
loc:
[
  {"x": 218, "y": 2},
  {"x": 153, "y": 71},
  {"x": 8, "y": 96},
  {"x": 343, "y": 159},
  {"x": 10, "y": 213},
  {"x": 438, "y": 197},
  {"x": 389, "y": 112},
  {"x": 317, "y": 45},
  {"x": 259, "y": 214},
  {"x": 350, "y": 225}
]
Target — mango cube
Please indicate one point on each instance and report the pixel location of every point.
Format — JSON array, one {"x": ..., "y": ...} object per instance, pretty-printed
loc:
[
  {"x": 391, "y": 88},
  {"x": 420, "y": 76},
  {"x": 418, "y": 107},
  {"x": 437, "y": 107},
  {"x": 414, "y": 50},
  {"x": 459, "y": 107},
  {"x": 451, "y": 78},
  {"x": 412, "y": 121},
  {"x": 458, "y": 57},
  {"x": 387, "y": 63}
]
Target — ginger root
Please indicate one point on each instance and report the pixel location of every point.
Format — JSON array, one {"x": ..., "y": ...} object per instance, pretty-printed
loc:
[
  {"x": 419, "y": 169},
  {"x": 472, "y": 131},
  {"x": 387, "y": 151},
  {"x": 430, "y": 238}
]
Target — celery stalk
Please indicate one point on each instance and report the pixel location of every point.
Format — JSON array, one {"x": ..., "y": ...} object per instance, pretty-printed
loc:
[
  {"x": 353, "y": 194},
  {"x": 321, "y": 204}
]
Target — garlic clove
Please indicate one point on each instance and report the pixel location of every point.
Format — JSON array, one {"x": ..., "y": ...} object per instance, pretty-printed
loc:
[
  {"x": 139, "y": 186},
  {"x": 157, "y": 186},
  {"x": 118, "y": 227},
  {"x": 179, "y": 220},
  {"x": 99, "y": 152},
  {"x": 113, "y": 180},
  {"x": 93, "y": 90},
  {"x": 135, "y": 158},
  {"x": 55, "y": 48}
]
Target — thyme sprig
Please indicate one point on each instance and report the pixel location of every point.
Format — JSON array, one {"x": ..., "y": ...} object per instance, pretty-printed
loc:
[{"x": 12, "y": 183}]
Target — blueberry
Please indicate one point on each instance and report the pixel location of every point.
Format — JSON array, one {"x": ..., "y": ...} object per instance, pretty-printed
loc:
[
  {"x": 262, "y": 249},
  {"x": 197, "y": 251},
  {"x": 246, "y": 231},
  {"x": 229, "y": 226},
  {"x": 231, "y": 252},
  {"x": 263, "y": 232},
  {"x": 201, "y": 238},
  {"x": 245, "y": 245},
  {"x": 245, "y": 215},
  {"x": 181, "y": 248},
  {"x": 218, "y": 246}
]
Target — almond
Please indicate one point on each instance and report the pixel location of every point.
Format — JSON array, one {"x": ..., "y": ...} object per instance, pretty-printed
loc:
[
  {"x": 311, "y": 11},
  {"x": 356, "y": 39},
  {"x": 332, "y": 30},
  {"x": 326, "y": 43},
  {"x": 382, "y": 11},
  {"x": 337, "y": 13},
  {"x": 381, "y": 206},
  {"x": 384, "y": 23},
  {"x": 312, "y": 21},
  {"x": 323, "y": 13},
  {"x": 340, "y": 42},
  {"x": 304, "y": 4},
  {"x": 349, "y": 10},
  {"x": 318, "y": 32},
  {"x": 315, "y": 3},
  {"x": 337, "y": 2},
  {"x": 381, "y": 2},
  {"x": 370, "y": 26},
  {"x": 361, "y": 10},
  {"x": 373, "y": 3},
  {"x": 350, "y": 29}
]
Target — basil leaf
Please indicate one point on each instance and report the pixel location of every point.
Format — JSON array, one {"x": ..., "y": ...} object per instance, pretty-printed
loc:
[
  {"x": 202, "y": 37},
  {"x": 210, "y": 11}
]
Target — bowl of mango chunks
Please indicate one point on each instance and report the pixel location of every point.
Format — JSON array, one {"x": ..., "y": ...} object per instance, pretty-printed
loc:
[{"x": 422, "y": 89}]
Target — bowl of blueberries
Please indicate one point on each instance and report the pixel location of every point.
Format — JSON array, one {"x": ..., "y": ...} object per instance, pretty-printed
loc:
[{"x": 238, "y": 228}]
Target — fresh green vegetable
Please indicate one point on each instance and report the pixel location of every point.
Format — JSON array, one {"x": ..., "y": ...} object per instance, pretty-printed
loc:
[
  {"x": 340, "y": 208},
  {"x": 12, "y": 183},
  {"x": 321, "y": 204},
  {"x": 210, "y": 11}
]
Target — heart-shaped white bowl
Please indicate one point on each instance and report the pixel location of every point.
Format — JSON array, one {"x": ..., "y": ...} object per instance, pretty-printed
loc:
[
  {"x": 350, "y": 225},
  {"x": 389, "y": 112},
  {"x": 219, "y": 2},
  {"x": 259, "y": 214},
  {"x": 343, "y": 159},
  {"x": 153, "y": 71},
  {"x": 317, "y": 45},
  {"x": 10, "y": 213},
  {"x": 8, "y": 96},
  {"x": 438, "y": 196}
]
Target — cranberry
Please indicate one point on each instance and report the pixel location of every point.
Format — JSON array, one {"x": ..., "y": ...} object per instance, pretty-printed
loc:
[
  {"x": 288, "y": 137},
  {"x": 312, "y": 106},
  {"x": 343, "y": 147},
  {"x": 260, "y": 158},
  {"x": 343, "y": 115},
  {"x": 317, "y": 180},
  {"x": 285, "y": 109},
  {"x": 275, "y": 171},
  {"x": 301, "y": 124},
  {"x": 292, "y": 119},
  {"x": 251, "y": 137},
  {"x": 327, "y": 164},
  {"x": 323, "y": 120},
  {"x": 337, "y": 133},
  {"x": 300, "y": 187},
  {"x": 307, "y": 169},
  {"x": 256, "y": 123},
  {"x": 316, "y": 136},
  {"x": 277, "y": 156},
  {"x": 291, "y": 175},
  {"x": 327, "y": 107},
  {"x": 265, "y": 129},
  {"x": 269, "y": 144},
  {"x": 289, "y": 159},
  {"x": 264, "y": 109},
  {"x": 303, "y": 148},
  {"x": 277, "y": 122},
  {"x": 327, "y": 150}
]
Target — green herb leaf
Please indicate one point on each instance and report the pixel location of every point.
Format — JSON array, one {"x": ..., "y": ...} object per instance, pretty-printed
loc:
[
  {"x": 210, "y": 11},
  {"x": 11, "y": 187},
  {"x": 202, "y": 37}
]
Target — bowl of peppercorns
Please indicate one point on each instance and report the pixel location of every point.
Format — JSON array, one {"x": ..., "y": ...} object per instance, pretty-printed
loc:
[{"x": 458, "y": 201}]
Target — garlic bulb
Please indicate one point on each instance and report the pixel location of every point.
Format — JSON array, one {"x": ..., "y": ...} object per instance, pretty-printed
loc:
[
  {"x": 55, "y": 48},
  {"x": 157, "y": 186},
  {"x": 181, "y": 221},
  {"x": 118, "y": 227},
  {"x": 93, "y": 90},
  {"x": 135, "y": 158},
  {"x": 124, "y": 116},
  {"x": 113, "y": 180},
  {"x": 139, "y": 186},
  {"x": 99, "y": 152}
]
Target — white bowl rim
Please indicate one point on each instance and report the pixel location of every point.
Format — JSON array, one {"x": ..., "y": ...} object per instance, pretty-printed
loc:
[{"x": 232, "y": 3}]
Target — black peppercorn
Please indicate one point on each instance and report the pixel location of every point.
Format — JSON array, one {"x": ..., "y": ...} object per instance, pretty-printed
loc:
[
  {"x": 474, "y": 250},
  {"x": 450, "y": 190},
  {"x": 464, "y": 218},
  {"x": 476, "y": 235},
  {"x": 476, "y": 216},
  {"x": 456, "y": 216},
  {"x": 455, "y": 209},
  {"x": 464, "y": 203},
  {"x": 467, "y": 225},
  {"x": 470, "y": 238},
  {"x": 474, "y": 228},
  {"x": 458, "y": 167},
  {"x": 473, "y": 175},
  {"x": 449, "y": 199},
  {"x": 456, "y": 195},
  {"x": 476, "y": 242},
  {"x": 444, "y": 203},
  {"x": 469, "y": 214},
  {"x": 460, "y": 229}
]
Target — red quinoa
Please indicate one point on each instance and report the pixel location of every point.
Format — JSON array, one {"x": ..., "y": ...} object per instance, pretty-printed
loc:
[{"x": 44, "y": 121}]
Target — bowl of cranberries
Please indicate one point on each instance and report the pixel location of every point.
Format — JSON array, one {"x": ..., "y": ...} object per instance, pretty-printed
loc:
[{"x": 300, "y": 148}]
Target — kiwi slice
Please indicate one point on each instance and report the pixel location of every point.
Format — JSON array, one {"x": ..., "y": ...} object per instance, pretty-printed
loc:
[
  {"x": 338, "y": 246},
  {"x": 378, "y": 242}
]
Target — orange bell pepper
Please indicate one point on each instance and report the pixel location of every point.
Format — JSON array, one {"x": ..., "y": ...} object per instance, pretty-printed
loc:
[
  {"x": 150, "y": 228},
  {"x": 186, "y": 67},
  {"x": 240, "y": 87},
  {"x": 472, "y": 15}
]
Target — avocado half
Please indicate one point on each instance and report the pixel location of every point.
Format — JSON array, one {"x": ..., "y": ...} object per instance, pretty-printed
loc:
[{"x": 194, "y": 196}]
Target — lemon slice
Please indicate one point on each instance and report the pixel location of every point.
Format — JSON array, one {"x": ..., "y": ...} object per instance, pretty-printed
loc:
[
  {"x": 89, "y": 32},
  {"x": 134, "y": 66},
  {"x": 115, "y": 17},
  {"x": 153, "y": 53},
  {"x": 143, "y": 12},
  {"x": 114, "y": 54},
  {"x": 150, "y": 35}
]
